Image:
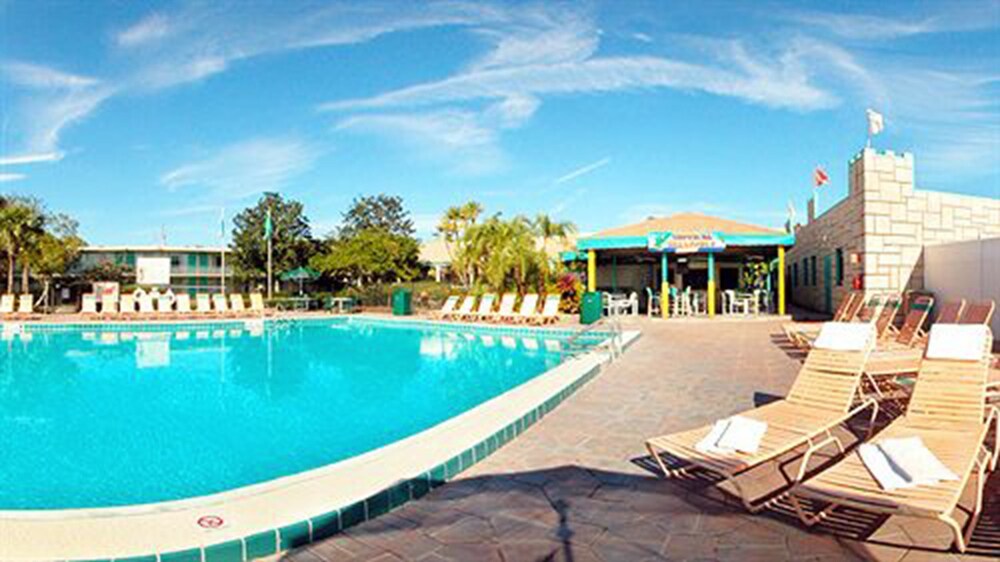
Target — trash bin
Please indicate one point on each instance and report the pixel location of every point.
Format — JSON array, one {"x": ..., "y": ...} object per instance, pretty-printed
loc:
[
  {"x": 590, "y": 308},
  {"x": 402, "y": 302}
]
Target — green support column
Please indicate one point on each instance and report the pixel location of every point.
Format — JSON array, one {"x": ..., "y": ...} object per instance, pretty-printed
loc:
[
  {"x": 711, "y": 284},
  {"x": 664, "y": 286}
]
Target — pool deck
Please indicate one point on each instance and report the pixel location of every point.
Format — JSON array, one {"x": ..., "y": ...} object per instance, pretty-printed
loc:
[{"x": 578, "y": 485}]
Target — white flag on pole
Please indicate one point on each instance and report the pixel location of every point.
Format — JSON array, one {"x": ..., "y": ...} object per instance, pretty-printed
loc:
[{"x": 875, "y": 122}]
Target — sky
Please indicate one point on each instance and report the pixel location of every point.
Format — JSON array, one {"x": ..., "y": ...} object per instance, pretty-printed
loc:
[{"x": 149, "y": 120}]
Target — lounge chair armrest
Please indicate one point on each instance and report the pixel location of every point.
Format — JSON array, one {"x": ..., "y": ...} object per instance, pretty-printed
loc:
[
  {"x": 814, "y": 448},
  {"x": 992, "y": 418}
]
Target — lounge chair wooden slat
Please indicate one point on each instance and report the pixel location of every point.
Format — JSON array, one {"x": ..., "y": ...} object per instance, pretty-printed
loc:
[
  {"x": 823, "y": 396},
  {"x": 946, "y": 412}
]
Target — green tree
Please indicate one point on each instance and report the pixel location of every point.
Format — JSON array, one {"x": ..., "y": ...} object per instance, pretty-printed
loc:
[
  {"x": 371, "y": 255},
  {"x": 380, "y": 212},
  {"x": 502, "y": 254},
  {"x": 452, "y": 228},
  {"x": 548, "y": 229},
  {"x": 109, "y": 271},
  {"x": 56, "y": 250},
  {"x": 22, "y": 222},
  {"x": 292, "y": 243}
]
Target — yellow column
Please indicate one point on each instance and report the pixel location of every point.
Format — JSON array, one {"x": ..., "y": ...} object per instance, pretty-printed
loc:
[
  {"x": 711, "y": 284},
  {"x": 591, "y": 271},
  {"x": 781, "y": 280},
  {"x": 664, "y": 287}
]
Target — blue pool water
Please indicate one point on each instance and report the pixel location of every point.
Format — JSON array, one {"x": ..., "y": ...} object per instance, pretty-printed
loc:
[{"x": 94, "y": 419}]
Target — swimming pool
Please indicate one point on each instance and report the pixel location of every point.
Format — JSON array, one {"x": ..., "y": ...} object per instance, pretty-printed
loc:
[{"x": 124, "y": 415}]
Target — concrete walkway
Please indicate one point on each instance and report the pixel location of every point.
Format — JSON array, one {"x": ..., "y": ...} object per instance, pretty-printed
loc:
[{"x": 577, "y": 486}]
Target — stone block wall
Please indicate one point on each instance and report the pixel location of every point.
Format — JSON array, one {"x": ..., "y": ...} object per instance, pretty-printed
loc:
[{"x": 885, "y": 223}]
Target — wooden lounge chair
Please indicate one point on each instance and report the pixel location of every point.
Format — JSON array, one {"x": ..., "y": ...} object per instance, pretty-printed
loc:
[
  {"x": 901, "y": 355},
  {"x": 825, "y": 395},
  {"x": 236, "y": 304},
  {"x": 485, "y": 308},
  {"x": 466, "y": 308},
  {"x": 447, "y": 307},
  {"x": 528, "y": 310},
  {"x": 950, "y": 312},
  {"x": 550, "y": 310},
  {"x": 801, "y": 334},
  {"x": 203, "y": 303},
  {"x": 946, "y": 412},
  {"x": 884, "y": 322},
  {"x": 126, "y": 305},
  {"x": 868, "y": 313},
  {"x": 978, "y": 313},
  {"x": 88, "y": 304}
]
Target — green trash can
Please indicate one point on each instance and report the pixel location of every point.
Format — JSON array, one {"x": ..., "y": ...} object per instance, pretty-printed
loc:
[
  {"x": 402, "y": 302},
  {"x": 590, "y": 308}
]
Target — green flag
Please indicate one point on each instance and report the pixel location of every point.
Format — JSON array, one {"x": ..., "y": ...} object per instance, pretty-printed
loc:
[{"x": 268, "y": 227}]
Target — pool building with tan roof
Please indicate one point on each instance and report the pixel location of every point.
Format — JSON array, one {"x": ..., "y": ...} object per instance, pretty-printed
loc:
[{"x": 692, "y": 251}]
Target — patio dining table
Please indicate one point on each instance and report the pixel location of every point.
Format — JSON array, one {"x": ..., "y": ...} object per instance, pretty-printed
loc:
[{"x": 293, "y": 303}]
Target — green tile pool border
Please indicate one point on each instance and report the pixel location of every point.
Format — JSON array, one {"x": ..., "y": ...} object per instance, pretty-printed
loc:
[{"x": 272, "y": 541}]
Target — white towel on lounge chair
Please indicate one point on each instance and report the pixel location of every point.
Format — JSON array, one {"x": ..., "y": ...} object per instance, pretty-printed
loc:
[
  {"x": 733, "y": 434},
  {"x": 903, "y": 463},
  {"x": 961, "y": 342},
  {"x": 844, "y": 336}
]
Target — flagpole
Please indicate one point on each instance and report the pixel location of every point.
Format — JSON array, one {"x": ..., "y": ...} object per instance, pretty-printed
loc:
[
  {"x": 222, "y": 245},
  {"x": 270, "y": 284}
]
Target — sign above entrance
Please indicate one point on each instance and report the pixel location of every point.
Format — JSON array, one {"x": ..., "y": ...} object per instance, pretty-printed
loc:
[{"x": 685, "y": 242}]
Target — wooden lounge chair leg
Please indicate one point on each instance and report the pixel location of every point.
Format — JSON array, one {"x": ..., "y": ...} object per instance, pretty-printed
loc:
[
  {"x": 667, "y": 472},
  {"x": 960, "y": 543},
  {"x": 810, "y": 520}
]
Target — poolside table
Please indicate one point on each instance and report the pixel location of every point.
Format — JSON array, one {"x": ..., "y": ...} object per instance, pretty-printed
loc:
[{"x": 342, "y": 304}]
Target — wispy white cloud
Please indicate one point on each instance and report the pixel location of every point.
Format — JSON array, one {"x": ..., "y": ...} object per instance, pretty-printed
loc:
[
  {"x": 46, "y": 102},
  {"x": 9, "y": 177},
  {"x": 242, "y": 169},
  {"x": 582, "y": 171},
  {"x": 19, "y": 159},
  {"x": 149, "y": 29},
  {"x": 959, "y": 16},
  {"x": 456, "y": 137}
]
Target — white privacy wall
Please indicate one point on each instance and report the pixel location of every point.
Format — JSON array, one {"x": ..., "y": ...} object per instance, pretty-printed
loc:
[{"x": 969, "y": 270}]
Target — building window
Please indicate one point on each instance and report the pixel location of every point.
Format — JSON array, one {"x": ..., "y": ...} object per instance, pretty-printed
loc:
[
  {"x": 203, "y": 260},
  {"x": 217, "y": 261},
  {"x": 812, "y": 268},
  {"x": 175, "y": 261},
  {"x": 840, "y": 267},
  {"x": 795, "y": 275},
  {"x": 192, "y": 261},
  {"x": 805, "y": 272}
]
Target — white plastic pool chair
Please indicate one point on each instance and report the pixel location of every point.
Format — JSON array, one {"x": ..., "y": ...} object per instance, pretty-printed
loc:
[
  {"x": 127, "y": 304},
  {"x": 528, "y": 310},
  {"x": 236, "y": 303},
  {"x": 203, "y": 302},
  {"x": 146, "y": 305},
  {"x": 88, "y": 305},
  {"x": 219, "y": 304},
  {"x": 448, "y": 307},
  {"x": 550, "y": 310},
  {"x": 464, "y": 310},
  {"x": 109, "y": 305},
  {"x": 164, "y": 305},
  {"x": 183, "y": 303},
  {"x": 485, "y": 308}
]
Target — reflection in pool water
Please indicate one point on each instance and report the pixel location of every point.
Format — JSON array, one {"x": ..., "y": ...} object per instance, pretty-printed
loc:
[{"x": 99, "y": 418}]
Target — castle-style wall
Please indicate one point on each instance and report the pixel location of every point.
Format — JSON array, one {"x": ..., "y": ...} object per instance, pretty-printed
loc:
[{"x": 884, "y": 223}]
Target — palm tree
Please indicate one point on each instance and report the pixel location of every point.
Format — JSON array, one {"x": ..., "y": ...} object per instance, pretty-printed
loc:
[
  {"x": 453, "y": 227},
  {"x": 21, "y": 226},
  {"x": 549, "y": 229}
]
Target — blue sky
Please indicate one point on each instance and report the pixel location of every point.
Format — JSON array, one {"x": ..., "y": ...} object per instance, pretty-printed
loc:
[{"x": 137, "y": 117}]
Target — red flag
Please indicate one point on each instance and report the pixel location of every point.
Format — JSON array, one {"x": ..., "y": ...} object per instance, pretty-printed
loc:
[{"x": 820, "y": 177}]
